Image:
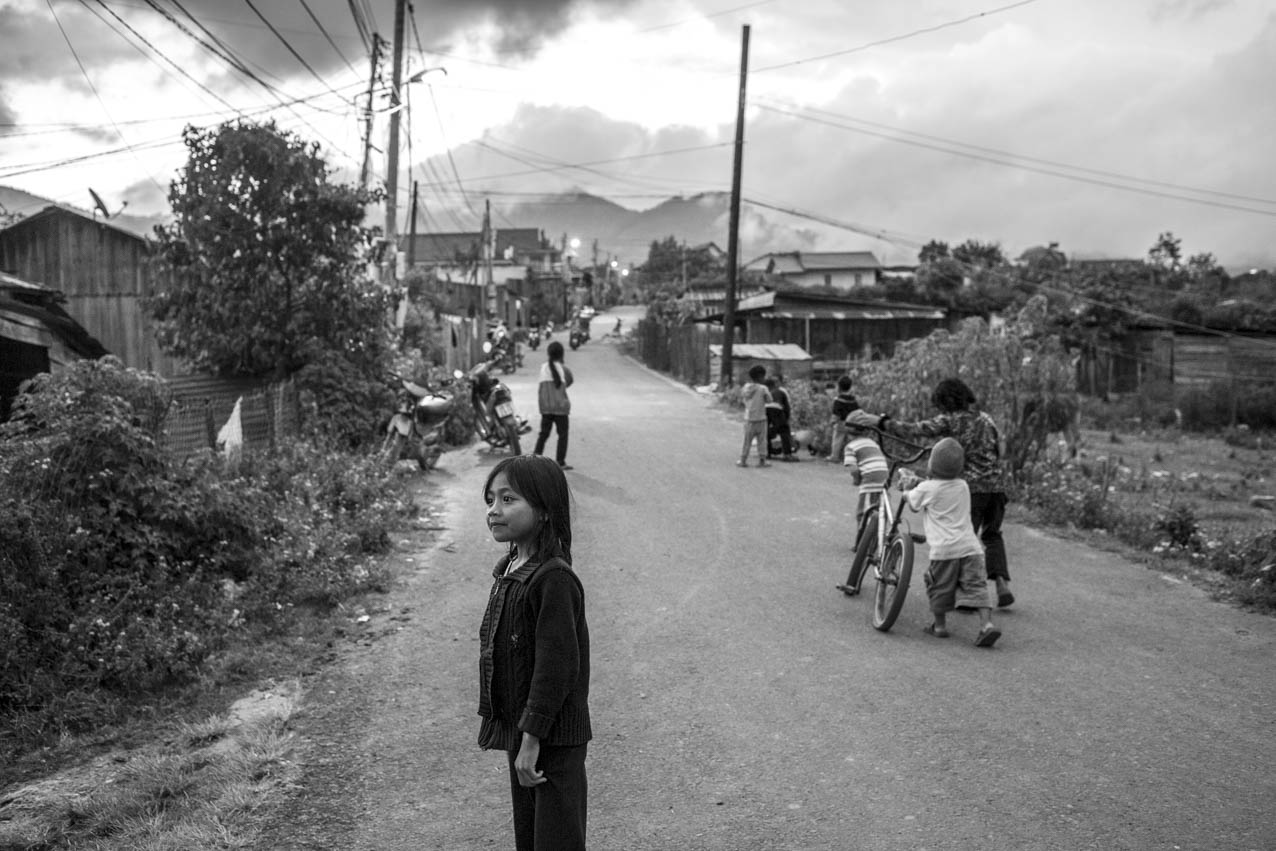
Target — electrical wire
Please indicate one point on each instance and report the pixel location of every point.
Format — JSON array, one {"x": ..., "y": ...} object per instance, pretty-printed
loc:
[
  {"x": 705, "y": 16},
  {"x": 892, "y": 39},
  {"x": 328, "y": 36},
  {"x": 226, "y": 55},
  {"x": 761, "y": 104},
  {"x": 84, "y": 71},
  {"x": 289, "y": 47},
  {"x": 1051, "y": 172},
  {"x": 177, "y": 67}
]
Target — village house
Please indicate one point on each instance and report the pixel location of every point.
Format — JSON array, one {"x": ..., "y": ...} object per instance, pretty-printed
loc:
[
  {"x": 840, "y": 270},
  {"x": 528, "y": 282},
  {"x": 100, "y": 268},
  {"x": 833, "y": 327},
  {"x": 36, "y": 335}
]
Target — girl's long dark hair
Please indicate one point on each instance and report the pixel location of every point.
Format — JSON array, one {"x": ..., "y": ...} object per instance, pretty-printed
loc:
[
  {"x": 541, "y": 482},
  {"x": 555, "y": 352}
]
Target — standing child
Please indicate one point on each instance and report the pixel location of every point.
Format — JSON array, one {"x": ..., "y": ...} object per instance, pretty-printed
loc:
[
  {"x": 956, "y": 575},
  {"x": 779, "y": 415},
  {"x": 554, "y": 405},
  {"x": 534, "y": 655},
  {"x": 842, "y": 405},
  {"x": 868, "y": 472},
  {"x": 755, "y": 397}
]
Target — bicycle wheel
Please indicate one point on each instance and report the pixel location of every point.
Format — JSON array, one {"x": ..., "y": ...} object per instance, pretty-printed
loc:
[
  {"x": 893, "y": 575},
  {"x": 863, "y": 555}
]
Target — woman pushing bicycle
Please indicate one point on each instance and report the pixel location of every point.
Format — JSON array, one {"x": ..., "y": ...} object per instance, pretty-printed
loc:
[{"x": 960, "y": 419}]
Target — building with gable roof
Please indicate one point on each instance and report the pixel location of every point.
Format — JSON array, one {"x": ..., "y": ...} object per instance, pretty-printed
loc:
[
  {"x": 841, "y": 270},
  {"x": 101, "y": 269}
]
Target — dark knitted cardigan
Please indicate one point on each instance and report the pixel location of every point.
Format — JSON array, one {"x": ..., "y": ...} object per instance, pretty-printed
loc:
[{"x": 534, "y": 657}]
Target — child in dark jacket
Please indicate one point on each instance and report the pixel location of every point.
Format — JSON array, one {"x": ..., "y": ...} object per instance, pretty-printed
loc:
[
  {"x": 534, "y": 655},
  {"x": 842, "y": 405}
]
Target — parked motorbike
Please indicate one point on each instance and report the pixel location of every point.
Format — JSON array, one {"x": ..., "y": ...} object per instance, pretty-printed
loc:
[
  {"x": 504, "y": 352},
  {"x": 416, "y": 428},
  {"x": 495, "y": 420}
]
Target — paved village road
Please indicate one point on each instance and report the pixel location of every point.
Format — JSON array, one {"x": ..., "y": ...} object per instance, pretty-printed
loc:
[{"x": 740, "y": 702}]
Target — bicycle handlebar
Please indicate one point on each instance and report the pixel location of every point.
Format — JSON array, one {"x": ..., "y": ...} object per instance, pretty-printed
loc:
[{"x": 909, "y": 458}]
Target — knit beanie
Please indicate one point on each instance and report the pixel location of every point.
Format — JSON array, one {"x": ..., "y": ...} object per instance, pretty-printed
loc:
[{"x": 946, "y": 459}]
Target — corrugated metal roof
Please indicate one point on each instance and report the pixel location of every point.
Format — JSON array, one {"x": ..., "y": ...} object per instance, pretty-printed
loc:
[
  {"x": 10, "y": 282},
  {"x": 764, "y": 351},
  {"x": 792, "y": 262},
  {"x": 822, "y": 260},
  {"x": 852, "y": 313}
]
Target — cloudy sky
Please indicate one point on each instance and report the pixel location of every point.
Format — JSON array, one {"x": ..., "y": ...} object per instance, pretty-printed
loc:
[{"x": 873, "y": 124}]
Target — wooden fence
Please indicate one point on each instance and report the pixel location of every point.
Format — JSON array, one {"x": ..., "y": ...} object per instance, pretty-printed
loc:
[
  {"x": 269, "y": 413},
  {"x": 680, "y": 350}
]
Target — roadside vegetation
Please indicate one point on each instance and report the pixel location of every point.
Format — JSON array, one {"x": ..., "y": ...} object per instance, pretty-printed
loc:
[
  {"x": 142, "y": 592},
  {"x": 1148, "y": 484}
]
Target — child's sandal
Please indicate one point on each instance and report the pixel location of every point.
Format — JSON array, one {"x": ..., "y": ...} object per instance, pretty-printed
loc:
[{"x": 931, "y": 629}]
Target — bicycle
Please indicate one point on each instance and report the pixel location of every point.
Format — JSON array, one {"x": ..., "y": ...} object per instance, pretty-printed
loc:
[{"x": 884, "y": 546}]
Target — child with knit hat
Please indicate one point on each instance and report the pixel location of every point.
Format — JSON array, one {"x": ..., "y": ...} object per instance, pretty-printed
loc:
[{"x": 956, "y": 575}]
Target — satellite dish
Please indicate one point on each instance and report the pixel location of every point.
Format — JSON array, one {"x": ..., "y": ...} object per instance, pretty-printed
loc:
[{"x": 100, "y": 205}]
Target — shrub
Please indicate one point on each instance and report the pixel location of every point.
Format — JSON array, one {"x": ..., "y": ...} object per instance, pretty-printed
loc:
[
  {"x": 122, "y": 569},
  {"x": 1181, "y": 527}
]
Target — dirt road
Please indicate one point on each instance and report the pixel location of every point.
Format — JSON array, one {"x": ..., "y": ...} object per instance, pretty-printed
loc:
[{"x": 740, "y": 702}]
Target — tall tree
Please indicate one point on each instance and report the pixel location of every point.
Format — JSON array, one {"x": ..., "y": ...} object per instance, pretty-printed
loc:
[{"x": 262, "y": 270}]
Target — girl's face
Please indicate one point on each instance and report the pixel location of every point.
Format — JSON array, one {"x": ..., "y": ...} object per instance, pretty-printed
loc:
[{"x": 511, "y": 519}]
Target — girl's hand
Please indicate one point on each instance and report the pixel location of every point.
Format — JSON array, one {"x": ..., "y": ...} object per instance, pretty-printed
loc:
[
  {"x": 525, "y": 762},
  {"x": 907, "y": 480}
]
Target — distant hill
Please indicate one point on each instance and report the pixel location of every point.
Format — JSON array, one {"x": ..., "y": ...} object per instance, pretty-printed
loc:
[{"x": 695, "y": 220}]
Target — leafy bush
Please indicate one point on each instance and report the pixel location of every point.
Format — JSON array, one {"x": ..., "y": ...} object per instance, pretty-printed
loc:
[
  {"x": 1213, "y": 407},
  {"x": 1003, "y": 370},
  {"x": 1181, "y": 527},
  {"x": 1253, "y": 561},
  {"x": 352, "y": 405},
  {"x": 122, "y": 568}
]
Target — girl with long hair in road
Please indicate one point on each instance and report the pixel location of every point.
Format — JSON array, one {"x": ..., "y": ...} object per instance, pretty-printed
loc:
[
  {"x": 534, "y": 654},
  {"x": 554, "y": 405}
]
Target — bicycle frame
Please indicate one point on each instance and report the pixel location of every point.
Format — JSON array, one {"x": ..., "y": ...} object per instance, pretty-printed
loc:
[{"x": 883, "y": 547}]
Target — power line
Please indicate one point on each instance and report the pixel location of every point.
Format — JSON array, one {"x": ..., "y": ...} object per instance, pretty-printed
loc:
[
  {"x": 153, "y": 48},
  {"x": 96, "y": 94},
  {"x": 1049, "y": 172},
  {"x": 709, "y": 15},
  {"x": 289, "y": 46},
  {"x": 224, "y": 53},
  {"x": 1010, "y": 154},
  {"x": 908, "y": 35},
  {"x": 328, "y": 36}
]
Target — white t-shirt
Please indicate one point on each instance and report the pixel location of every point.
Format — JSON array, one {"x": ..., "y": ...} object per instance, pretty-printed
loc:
[{"x": 945, "y": 507}]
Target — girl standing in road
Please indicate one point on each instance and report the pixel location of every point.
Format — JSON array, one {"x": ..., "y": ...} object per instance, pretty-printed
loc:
[
  {"x": 554, "y": 404},
  {"x": 534, "y": 655}
]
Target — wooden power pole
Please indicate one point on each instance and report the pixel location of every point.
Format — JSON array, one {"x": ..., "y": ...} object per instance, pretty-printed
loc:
[
  {"x": 733, "y": 234},
  {"x": 392, "y": 162}
]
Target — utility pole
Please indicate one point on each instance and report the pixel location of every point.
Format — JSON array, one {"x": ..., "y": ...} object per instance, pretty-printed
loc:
[
  {"x": 733, "y": 234},
  {"x": 367, "y": 111},
  {"x": 392, "y": 166},
  {"x": 412, "y": 231},
  {"x": 489, "y": 287}
]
